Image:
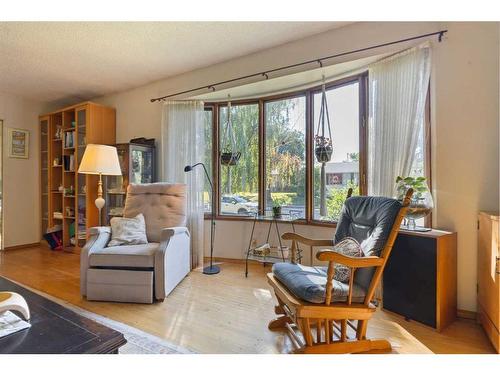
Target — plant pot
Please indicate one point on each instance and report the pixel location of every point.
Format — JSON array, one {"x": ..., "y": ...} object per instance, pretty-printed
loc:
[
  {"x": 323, "y": 153},
  {"x": 277, "y": 211},
  {"x": 229, "y": 158},
  {"x": 421, "y": 203}
]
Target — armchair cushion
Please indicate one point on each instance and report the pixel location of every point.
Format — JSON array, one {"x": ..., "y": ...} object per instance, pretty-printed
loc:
[
  {"x": 309, "y": 283},
  {"x": 127, "y": 256},
  {"x": 128, "y": 231},
  {"x": 350, "y": 247},
  {"x": 163, "y": 206}
]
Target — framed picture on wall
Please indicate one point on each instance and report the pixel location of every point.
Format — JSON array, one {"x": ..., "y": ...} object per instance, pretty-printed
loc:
[{"x": 19, "y": 143}]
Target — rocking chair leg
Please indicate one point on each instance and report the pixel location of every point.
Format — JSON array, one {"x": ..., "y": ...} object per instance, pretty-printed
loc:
[{"x": 279, "y": 322}]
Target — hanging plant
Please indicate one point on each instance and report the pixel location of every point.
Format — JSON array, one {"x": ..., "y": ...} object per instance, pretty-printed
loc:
[
  {"x": 229, "y": 156},
  {"x": 323, "y": 148}
]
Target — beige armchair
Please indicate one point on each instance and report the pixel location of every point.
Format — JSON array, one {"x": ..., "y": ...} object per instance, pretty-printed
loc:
[{"x": 140, "y": 273}]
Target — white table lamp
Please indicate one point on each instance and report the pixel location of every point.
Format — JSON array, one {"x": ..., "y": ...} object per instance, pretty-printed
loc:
[{"x": 101, "y": 160}]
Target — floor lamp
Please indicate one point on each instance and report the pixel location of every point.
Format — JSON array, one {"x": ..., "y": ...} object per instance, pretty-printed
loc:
[
  {"x": 100, "y": 160},
  {"x": 210, "y": 270}
]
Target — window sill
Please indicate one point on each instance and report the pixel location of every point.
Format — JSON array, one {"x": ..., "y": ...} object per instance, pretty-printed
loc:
[{"x": 251, "y": 219}]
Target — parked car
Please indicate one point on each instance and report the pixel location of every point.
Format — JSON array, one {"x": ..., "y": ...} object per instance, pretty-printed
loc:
[{"x": 235, "y": 204}]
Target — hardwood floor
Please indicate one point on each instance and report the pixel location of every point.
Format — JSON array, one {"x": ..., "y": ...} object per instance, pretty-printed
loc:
[{"x": 224, "y": 313}]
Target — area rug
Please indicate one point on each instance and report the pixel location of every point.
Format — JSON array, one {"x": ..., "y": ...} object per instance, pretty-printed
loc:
[{"x": 138, "y": 342}]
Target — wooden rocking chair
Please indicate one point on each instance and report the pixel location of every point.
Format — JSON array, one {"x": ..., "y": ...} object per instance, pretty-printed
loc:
[{"x": 374, "y": 222}]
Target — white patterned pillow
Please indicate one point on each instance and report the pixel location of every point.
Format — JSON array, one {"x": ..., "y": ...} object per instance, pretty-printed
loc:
[
  {"x": 128, "y": 231},
  {"x": 350, "y": 247}
]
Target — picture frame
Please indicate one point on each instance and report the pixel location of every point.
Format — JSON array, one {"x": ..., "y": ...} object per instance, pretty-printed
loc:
[{"x": 18, "y": 143}]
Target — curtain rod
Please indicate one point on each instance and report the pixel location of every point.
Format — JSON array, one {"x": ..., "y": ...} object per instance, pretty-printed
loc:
[{"x": 265, "y": 74}]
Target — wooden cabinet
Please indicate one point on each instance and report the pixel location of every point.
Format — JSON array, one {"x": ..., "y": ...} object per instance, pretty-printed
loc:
[
  {"x": 420, "y": 278},
  {"x": 67, "y": 197},
  {"x": 488, "y": 276},
  {"x": 138, "y": 165}
]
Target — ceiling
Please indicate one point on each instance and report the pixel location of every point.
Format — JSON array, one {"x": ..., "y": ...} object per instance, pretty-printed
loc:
[{"x": 61, "y": 61}]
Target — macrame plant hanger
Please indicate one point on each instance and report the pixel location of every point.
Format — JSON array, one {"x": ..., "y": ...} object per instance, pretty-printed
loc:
[
  {"x": 323, "y": 147},
  {"x": 229, "y": 156}
]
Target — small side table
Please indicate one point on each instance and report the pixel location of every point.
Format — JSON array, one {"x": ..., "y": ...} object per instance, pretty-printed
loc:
[{"x": 271, "y": 220}]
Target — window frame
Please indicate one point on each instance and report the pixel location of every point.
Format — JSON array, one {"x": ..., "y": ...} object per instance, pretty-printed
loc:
[{"x": 361, "y": 79}]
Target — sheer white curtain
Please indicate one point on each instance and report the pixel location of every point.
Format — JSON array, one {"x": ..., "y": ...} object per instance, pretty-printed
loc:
[
  {"x": 398, "y": 89},
  {"x": 183, "y": 143}
]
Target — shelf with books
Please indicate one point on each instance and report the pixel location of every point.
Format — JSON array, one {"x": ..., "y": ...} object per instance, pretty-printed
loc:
[{"x": 68, "y": 132}]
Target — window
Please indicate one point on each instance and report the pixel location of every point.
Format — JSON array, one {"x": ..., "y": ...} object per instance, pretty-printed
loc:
[
  {"x": 420, "y": 166},
  {"x": 285, "y": 155},
  {"x": 343, "y": 170},
  {"x": 239, "y": 183},
  {"x": 207, "y": 199},
  {"x": 277, "y": 166}
]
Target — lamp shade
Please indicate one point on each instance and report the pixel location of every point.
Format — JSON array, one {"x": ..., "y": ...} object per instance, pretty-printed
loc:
[{"x": 100, "y": 159}]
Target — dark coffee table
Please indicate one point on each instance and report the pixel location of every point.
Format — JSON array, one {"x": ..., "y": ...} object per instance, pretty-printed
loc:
[{"x": 57, "y": 330}]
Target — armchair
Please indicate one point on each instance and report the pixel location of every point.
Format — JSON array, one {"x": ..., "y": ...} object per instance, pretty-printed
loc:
[
  {"x": 140, "y": 273},
  {"x": 318, "y": 310}
]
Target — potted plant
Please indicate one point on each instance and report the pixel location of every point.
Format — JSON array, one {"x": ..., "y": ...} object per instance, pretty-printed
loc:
[
  {"x": 278, "y": 202},
  {"x": 229, "y": 157},
  {"x": 323, "y": 148},
  {"x": 421, "y": 202}
]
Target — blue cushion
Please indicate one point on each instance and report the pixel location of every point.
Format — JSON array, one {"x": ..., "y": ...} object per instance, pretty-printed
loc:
[{"x": 308, "y": 283}]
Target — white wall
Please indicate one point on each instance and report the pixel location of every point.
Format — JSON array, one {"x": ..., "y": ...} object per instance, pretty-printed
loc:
[
  {"x": 465, "y": 140},
  {"x": 464, "y": 94},
  {"x": 21, "y": 187}
]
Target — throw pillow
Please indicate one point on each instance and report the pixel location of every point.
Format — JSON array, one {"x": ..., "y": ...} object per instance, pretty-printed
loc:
[
  {"x": 350, "y": 247},
  {"x": 128, "y": 231}
]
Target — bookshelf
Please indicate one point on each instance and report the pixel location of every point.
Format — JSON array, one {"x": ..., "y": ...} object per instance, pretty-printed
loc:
[{"x": 67, "y": 198}]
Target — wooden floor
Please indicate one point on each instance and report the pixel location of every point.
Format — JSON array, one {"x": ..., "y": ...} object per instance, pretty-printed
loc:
[{"x": 224, "y": 313}]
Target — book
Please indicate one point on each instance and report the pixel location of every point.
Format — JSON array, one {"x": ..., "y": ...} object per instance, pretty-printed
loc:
[{"x": 10, "y": 323}]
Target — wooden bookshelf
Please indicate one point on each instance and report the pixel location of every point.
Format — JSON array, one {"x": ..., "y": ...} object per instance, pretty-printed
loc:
[{"x": 64, "y": 136}]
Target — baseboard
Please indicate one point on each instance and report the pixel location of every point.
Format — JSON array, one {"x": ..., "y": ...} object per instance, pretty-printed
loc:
[
  {"x": 23, "y": 246},
  {"x": 466, "y": 314}
]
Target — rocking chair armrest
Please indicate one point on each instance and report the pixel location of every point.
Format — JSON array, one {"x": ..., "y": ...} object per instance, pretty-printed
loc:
[
  {"x": 305, "y": 240},
  {"x": 356, "y": 262}
]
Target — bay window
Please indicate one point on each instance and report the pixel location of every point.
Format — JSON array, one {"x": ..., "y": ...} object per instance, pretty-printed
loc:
[
  {"x": 285, "y": 155},
  {"x": 208, "y": 127},
  {"x": 343, "y": 170},
  {"x": 278, "y": 167},
  {"x": 239, "y": 183}
]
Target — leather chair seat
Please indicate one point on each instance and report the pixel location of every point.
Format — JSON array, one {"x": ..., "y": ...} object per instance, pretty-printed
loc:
[{"x": 130, "y": 256}]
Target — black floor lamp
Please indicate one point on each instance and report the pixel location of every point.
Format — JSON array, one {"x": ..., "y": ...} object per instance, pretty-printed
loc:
[{"x": 210, "y": 270}]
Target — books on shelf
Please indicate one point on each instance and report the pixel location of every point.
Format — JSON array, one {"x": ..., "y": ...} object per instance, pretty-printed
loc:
[
  {"x": 82, "y": 232},
  {"x": 57, "y": 215},
  {"x": 69, "y": 163},
  {"x": 69, "y": 139}
]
